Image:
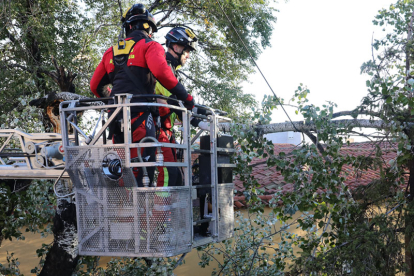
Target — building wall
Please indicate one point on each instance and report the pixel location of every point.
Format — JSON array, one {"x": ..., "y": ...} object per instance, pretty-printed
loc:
[{"x": 289, "y": 137}]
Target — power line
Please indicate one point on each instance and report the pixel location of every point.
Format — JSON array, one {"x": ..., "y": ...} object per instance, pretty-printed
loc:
[{"x": 251, "y": 57}]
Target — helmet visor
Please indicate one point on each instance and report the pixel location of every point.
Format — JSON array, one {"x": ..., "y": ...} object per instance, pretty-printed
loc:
[{"x": 192, "y": 45}]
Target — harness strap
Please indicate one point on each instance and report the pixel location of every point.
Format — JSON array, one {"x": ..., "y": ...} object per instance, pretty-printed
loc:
[
  {"x": 139, "y": 121},
  {"x": 165, "y": 117}
]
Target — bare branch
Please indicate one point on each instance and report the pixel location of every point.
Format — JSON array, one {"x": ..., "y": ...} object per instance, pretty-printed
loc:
[
  {"x": 165, "y": 16},
  {"x": 320, "y": 236},
  {"x": 355, "y": 112},
  {"x": 10, "y": 36},
  {"x": 93, "y": 35},
  {"x": 314, "y": 140},
  {"x": 155, "y": 5},
  {"x": 55, "y": 63},
  {"x": 302, "y": 126},
  {"x": 120, "y": 8},
  {"x": 29, "y": 70},
  {"x": 172, "y": 25}
]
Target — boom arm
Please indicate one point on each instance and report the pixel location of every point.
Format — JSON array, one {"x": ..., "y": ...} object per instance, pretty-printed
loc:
[{"x": 31, "y": 156}]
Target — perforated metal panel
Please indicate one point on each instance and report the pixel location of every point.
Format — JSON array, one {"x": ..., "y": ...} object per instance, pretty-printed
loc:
[
  {"x": 87, "y": 167},
  {"x": 135, "y": 221},
  {"x": 226, "y": 211}
]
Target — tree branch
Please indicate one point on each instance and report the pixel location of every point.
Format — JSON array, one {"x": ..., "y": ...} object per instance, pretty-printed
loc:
[
  {"x": 93, "y": 35},
  {"x": 29, "y": 70},
  {"x": 320, "y": 236},
  {"x": 120, "y": 8},
  {"x": 354, "y": 112},
  {"x": 9, "y": 35},
  {"x": 172, "y": 25},
  {"x": 154, "y": 5},
  {"x": 310, "y": 126},
  {"x": 167, "y": 15},
  {"x": 314, "y": 140}
]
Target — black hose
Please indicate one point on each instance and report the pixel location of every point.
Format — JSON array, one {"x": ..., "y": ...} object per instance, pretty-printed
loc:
[{"x": 114, "y": 167}]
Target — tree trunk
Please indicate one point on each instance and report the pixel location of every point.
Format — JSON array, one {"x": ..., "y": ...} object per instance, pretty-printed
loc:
[
  {"x": 50, "y": 107},
  {"x": 409, "y": 220},
  {"x": 63, "y": 256},
  {"x": 408, "y": 254}
]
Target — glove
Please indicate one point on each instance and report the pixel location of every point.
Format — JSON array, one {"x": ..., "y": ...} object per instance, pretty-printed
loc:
[
  {"x": 204, "y": 125},
  {"x": 172, "y": 100},
  {"x": 189, "y": 102},
  {"x": 202, "y": 111}
]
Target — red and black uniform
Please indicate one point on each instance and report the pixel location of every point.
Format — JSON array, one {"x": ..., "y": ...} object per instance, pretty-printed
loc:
[
  {"x": 146, "y": 61},
  {"x": 168, "y": 176},
  {"x": 134, "y": 70}
]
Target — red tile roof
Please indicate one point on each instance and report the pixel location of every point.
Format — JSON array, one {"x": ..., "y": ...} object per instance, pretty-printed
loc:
[{"x": 270, "y": 179}]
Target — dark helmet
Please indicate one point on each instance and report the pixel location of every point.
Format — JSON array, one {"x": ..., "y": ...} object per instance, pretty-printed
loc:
[
  {"x": 138, "y": 12},
  {"x": 182, "y": 36}
]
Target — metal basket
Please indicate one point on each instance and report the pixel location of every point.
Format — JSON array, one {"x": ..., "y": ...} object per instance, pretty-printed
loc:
[
  {"x": 116, "y": 217},
  {"x": 135, "y": 222}
]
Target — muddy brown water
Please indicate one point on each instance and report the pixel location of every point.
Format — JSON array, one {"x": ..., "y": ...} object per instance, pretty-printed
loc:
[{"x": 25, "y": 251}]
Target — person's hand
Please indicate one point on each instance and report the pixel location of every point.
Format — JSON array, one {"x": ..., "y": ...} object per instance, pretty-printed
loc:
[{"x": 189, "y": 102}]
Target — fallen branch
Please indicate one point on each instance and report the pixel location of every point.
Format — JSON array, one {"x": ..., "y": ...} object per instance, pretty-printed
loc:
[{"x": 310, "y": 126}]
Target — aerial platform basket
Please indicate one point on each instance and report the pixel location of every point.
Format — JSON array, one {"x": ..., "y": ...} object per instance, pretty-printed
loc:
[{"x": 118, "y": 218}]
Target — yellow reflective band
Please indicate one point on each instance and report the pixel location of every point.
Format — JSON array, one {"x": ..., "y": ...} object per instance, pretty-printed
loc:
[
  {"x": 166, "y": 177},
  {"x": 126, "y": 50},
  {"x": 131, "y": 56},
  {"x": 190, "y": 33},
  {"x": 111, "y": 61}
]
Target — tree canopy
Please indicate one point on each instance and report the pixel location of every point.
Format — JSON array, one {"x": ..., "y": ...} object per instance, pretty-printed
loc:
[
  {"x": 362, "y": 231},
  {"x": 49, "y": 46}
]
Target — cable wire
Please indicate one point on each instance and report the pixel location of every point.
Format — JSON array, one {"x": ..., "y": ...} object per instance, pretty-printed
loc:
[
  {"x": 196, "y": 81},
  {"x": 251, "y": 57},
  {"x": 54, "y": 186}
]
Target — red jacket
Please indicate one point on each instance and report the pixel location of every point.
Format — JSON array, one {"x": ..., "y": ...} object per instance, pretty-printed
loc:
[{"x": 147, "y": 63}]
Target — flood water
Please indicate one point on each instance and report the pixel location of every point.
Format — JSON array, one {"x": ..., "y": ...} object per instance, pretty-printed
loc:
[{"x": 25, "y": 251}]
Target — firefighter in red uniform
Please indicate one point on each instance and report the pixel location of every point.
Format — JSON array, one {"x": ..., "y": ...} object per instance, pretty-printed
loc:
[
  {"x": 180, "y": 42},
  {"x": 132, "y": 67}
]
